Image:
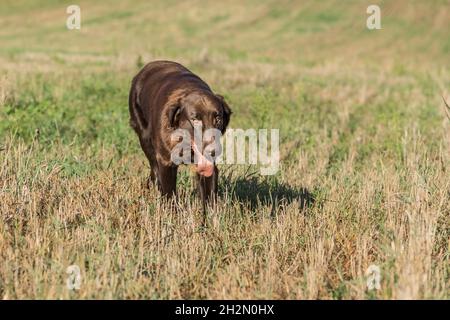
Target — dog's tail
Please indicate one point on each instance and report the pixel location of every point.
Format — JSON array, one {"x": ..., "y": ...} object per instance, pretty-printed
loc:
[{"x": 137, "y": 119}]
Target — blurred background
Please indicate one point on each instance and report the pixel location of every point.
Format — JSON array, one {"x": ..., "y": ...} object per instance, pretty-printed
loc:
[{"x": 363, "y": 133}]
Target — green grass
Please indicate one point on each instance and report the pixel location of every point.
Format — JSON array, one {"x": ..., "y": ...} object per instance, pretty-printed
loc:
[{"x": 363, "y": 137}]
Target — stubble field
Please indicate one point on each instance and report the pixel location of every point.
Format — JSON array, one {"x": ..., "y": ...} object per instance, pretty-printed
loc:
[{"x": 364, "y": 173}]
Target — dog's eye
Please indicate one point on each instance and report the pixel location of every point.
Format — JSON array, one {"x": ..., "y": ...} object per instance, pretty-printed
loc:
[{"x": 218, "y": 121}]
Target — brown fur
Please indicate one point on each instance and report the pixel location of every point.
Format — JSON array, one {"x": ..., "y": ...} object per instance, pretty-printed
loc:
[{"x": 163, "y": 95}]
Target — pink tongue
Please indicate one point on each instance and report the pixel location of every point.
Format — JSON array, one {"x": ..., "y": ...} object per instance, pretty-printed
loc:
[{"x": 204, "y": 167}]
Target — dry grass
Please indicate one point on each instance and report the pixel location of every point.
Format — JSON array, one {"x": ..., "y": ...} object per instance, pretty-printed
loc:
[
  {"x": 130, "y": 245},
  {"x": 363, "y": 133}
]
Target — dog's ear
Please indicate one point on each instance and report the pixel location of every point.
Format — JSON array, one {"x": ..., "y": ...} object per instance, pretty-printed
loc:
[
  {"x": 226, "y": 112},
  {"x": 174, "y": 113}
]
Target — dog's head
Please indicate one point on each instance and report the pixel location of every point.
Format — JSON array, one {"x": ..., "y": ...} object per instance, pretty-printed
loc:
[{"x": 204, "y": 116}]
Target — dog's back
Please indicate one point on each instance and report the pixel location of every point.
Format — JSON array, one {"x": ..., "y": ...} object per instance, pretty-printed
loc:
[{"x": 153, "y": 86}]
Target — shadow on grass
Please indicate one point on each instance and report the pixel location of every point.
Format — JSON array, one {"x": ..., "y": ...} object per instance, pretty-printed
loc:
[{"x": 255, "y": 192}]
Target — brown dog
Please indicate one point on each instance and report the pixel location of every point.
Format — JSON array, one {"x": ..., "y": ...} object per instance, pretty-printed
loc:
[{"x": 164, "y": 97}]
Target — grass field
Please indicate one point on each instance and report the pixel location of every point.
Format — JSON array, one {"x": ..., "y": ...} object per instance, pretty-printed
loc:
[{"x": 365, "y": 151}]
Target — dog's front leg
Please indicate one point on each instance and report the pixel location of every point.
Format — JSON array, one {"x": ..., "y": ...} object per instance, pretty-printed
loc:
[
  {"x": 167, "y": 178},
  {"x": 207, "y": 187}
]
